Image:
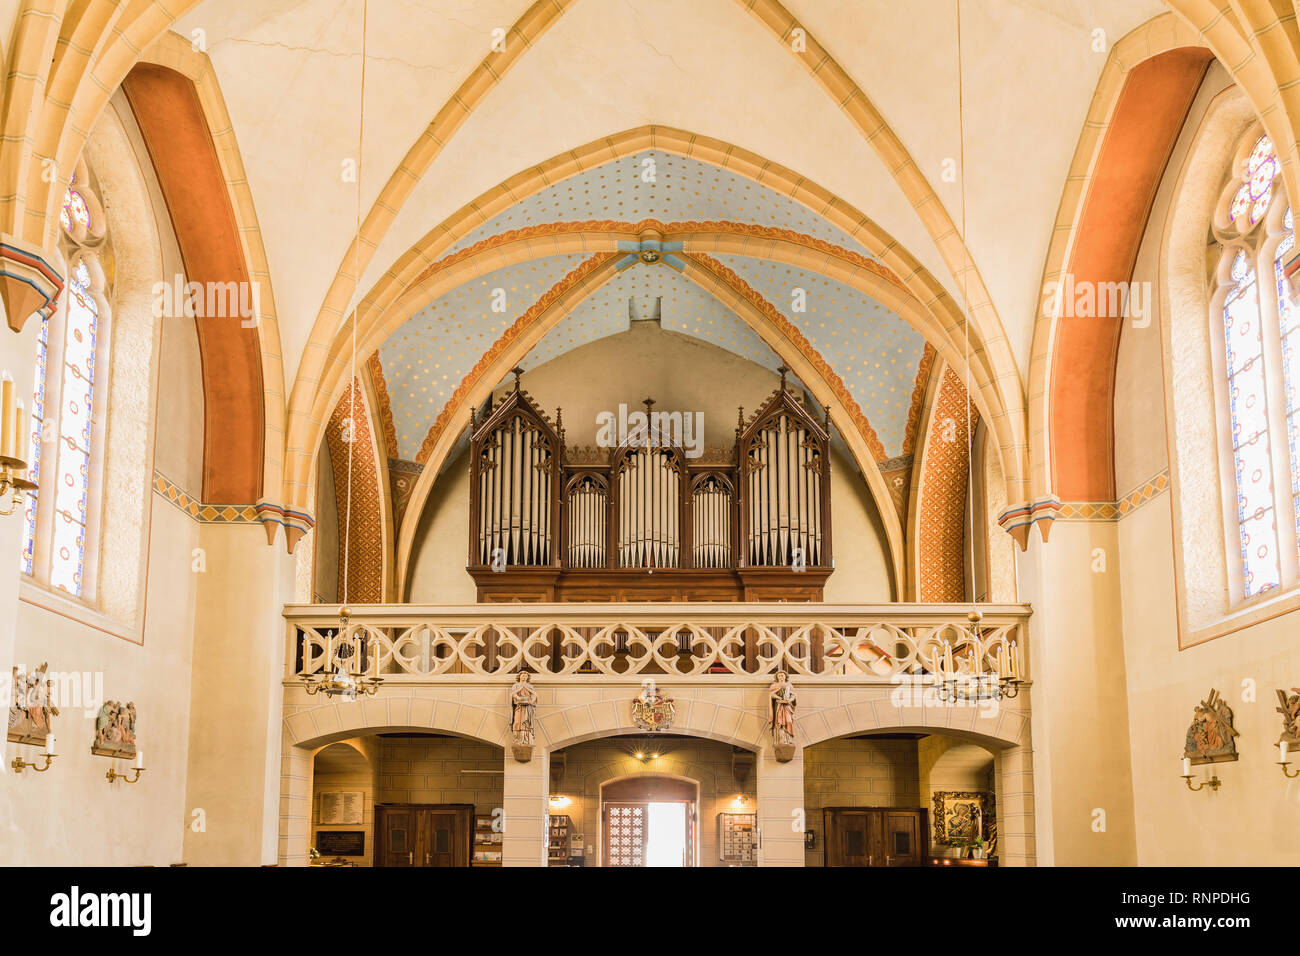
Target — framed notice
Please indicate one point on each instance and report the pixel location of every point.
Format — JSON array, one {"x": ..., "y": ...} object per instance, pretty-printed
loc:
[
  {"x": 342, "y": 807},
  {"x": 341, "y": 842}
]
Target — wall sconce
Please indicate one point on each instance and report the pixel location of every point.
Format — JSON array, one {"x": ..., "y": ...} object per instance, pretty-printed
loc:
[
  {"x": 15, "y": 452},
  {"x": 139, "y": 769},
  {"x": 1283, "y": 762},
  {"x": 49, "y": 755},
  {"x": 1214, "y": 783}
]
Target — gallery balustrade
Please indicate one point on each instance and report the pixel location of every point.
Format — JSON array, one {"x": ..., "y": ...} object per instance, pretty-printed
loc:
[{"x": 817, "y": 642}]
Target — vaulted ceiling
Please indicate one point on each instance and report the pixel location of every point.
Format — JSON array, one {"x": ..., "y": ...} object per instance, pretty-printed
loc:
[{"x": 289, "y": 73}]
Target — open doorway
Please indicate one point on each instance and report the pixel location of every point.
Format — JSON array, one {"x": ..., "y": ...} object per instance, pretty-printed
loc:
[{"x": 650, "y": 820}]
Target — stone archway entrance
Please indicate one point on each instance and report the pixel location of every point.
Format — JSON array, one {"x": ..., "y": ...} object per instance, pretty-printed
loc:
[{"x": 650, "y": 820}]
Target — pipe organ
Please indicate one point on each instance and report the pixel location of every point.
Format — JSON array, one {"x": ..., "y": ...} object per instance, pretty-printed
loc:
[{"x": 643, "y": 521}]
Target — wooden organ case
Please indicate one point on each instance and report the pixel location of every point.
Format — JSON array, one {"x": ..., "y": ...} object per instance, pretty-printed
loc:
[{"x": 643, "y": 521}]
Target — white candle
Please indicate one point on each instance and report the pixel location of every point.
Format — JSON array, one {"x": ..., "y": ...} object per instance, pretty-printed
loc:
[
  {"x": 7, "y": 438},
  {"x": 139, "y": 759},
  {"x": 22, "y": 440},
  {"x": 1187, "y": 767},
  {"x": 49, "y": 744},
  {"x": 1281, "y": 748}
]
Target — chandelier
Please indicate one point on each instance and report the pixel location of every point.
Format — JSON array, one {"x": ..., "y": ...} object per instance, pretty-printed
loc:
[
  {"x": 977, "y": 684},
  {"x": 351, "y": 664}
]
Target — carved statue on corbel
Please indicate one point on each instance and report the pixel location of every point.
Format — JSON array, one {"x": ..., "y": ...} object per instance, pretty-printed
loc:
[
  {"x": 781, "y": 704},
  {"x": 523, "y": 711}
]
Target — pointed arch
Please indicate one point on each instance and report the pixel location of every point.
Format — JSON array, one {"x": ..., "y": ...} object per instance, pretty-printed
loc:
[
  {"x": 355, "y": 461},
  {"x": 1137, "y": 112},
  {"x": 999, "y": 392}
]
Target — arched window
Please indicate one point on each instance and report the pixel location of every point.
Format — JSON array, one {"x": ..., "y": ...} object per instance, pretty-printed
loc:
[
  {"x": 60, "y": 518},
  {"x": 1257, "y": 371}
]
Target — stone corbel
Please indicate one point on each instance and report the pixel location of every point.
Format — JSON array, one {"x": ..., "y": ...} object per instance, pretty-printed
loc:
[
  {"x": 29, "y": 285},
  {"x": 1018, "y": 519},
  {"x": 296, "y": 523}
]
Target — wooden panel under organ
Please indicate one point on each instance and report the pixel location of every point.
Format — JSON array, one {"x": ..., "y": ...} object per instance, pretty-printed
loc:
[{"x": 643, "y": 520}]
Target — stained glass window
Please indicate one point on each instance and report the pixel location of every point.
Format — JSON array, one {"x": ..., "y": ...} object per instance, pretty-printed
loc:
[
  {"x": 1289, "y": 329},
  {"x": 57, "y": 515},
  {"x": 1260, "y": 328},
  {"x": 1255, "y": 194},
  {"x": 1248, "y": 404}
]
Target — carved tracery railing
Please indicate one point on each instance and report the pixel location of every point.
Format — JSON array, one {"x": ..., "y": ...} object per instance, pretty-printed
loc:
[{"x": 824, "y": 642}]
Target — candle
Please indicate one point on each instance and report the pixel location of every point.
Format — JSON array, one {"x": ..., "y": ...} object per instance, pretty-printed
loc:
[
  {"x": 947, "y": 658},
  {"x": 1003, "y": 669},
  {"x": 1187, "y": 767},
  {"x": 21, "y": 439},
  {"x": 139, "y": 759},
  {"x": 7, "y": 438},
  {"x": 1281, "y": 748},
  {"x": 49, "y": 744}
]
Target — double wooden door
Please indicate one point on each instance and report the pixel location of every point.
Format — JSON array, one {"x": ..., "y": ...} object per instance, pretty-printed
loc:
[
  {"x": 861, "y": 836},
  {"x": 423, "y": 835}
]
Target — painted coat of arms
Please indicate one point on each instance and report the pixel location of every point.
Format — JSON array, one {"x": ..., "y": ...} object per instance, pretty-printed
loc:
[
  {"x": 653, "y": 711},
  {"x": 115, "y": 730},
  {"x": 31, "y": 707},
  {"x": 1211, "y": 738}
]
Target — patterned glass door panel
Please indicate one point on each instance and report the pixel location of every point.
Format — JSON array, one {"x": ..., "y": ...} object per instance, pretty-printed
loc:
[{"x": 625, "y": 834}]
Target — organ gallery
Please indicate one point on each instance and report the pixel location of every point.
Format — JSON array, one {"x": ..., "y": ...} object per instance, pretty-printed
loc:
[{"x": 566, "y": 434}]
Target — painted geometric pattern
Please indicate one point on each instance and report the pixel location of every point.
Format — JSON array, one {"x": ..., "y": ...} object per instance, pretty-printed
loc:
[
  {"x": 874, "y": 351},
  {"x": 430, "y": 354},
  {"x": 1112, "y": 510},
  {"x": 941, "y": 528},
  {"x": 684, "y": 308},
  {"x": 658, "y": 185},
  {"x": 361, "y": 542},
  {"x": 217, "y": 514}
]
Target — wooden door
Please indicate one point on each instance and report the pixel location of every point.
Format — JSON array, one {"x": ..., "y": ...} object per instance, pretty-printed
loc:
[
  {"x": 399, "y": 836},
  {"x": 446, "y": 837},
  {"x": 851, "y": 839},
  {"x": 412, "y": 835},
  {"x": 625, "y": 834},
  {"x": 903, "y": 838},
  {"x": 874, "y": 837}
]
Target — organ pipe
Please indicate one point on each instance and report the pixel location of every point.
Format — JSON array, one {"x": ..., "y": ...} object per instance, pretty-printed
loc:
[{"x": 646, "y": 505}]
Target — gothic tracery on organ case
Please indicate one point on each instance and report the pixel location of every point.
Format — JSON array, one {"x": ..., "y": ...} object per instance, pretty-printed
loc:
[{"x": 643, "y": 521}]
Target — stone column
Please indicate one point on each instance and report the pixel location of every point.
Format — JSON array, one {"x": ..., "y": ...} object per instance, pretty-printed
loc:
[
  {"x": 237, "y": 697},
  {"x": 1015, "y": 809},
  {"x": 781, "y": 814},
  {"x": 526, "y": 793}
]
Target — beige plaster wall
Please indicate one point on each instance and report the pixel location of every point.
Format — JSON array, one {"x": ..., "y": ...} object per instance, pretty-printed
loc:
[
  {"x": 682, "y": 374},
  {"x": 1081, "y": 723},
  {"x": 71, "y": 815},
  {"x": 137, "y": 646},
  {"x": 1251, "y": 820}
]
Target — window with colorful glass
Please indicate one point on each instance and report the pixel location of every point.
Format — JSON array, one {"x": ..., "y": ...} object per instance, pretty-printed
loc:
[
  {"x": 59, "y": 516},
  {"x": 1257, "y": 364}
]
